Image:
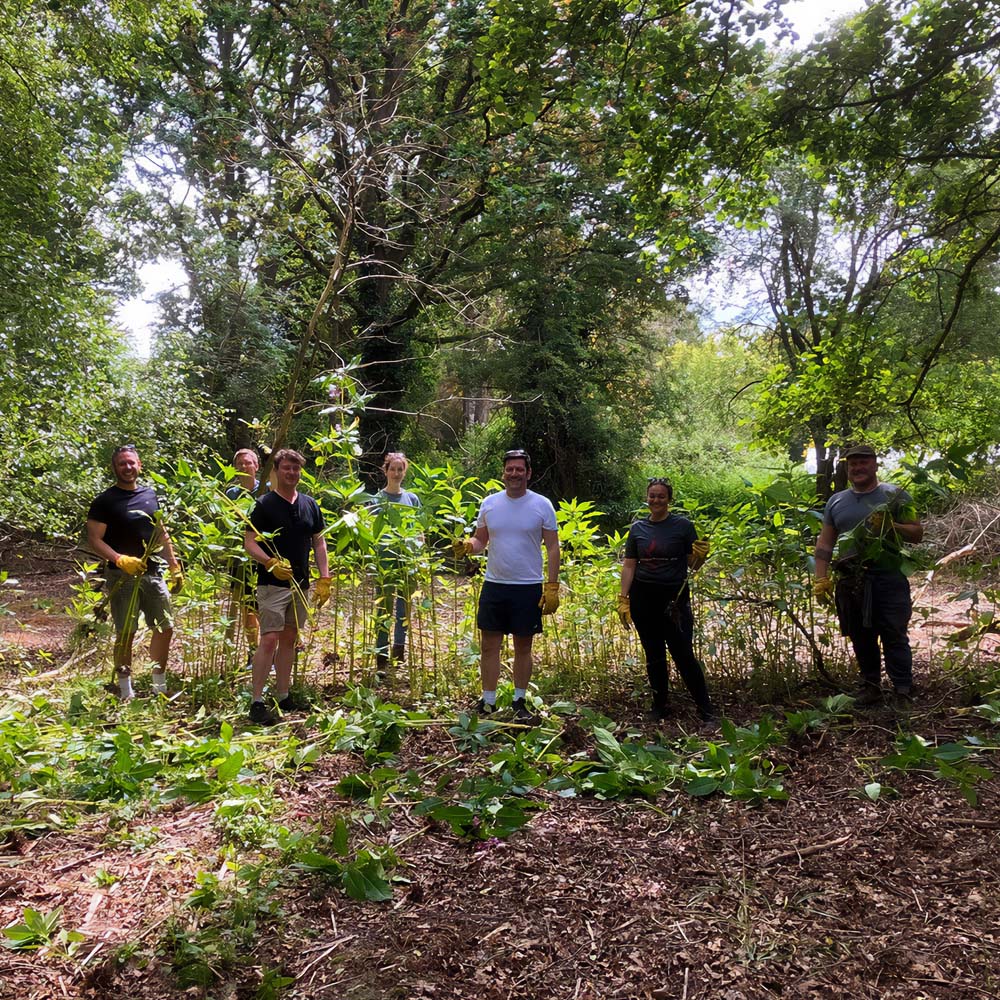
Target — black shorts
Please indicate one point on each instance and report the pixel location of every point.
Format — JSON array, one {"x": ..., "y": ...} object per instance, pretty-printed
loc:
[{"x": 510, "y": 608}]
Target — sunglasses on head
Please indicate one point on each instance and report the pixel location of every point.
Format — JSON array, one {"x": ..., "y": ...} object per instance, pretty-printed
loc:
[
  {"x": 123, "y": 447},
  {"x": 658, "y": 481},
  {"x": 515, "y": 453}
]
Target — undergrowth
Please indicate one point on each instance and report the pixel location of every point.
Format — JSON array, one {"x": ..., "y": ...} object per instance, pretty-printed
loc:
[{"x": 65, "y": 760}]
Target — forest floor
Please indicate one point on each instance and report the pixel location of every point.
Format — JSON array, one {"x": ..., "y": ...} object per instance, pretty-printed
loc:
[{"x": 832, "y": 893}]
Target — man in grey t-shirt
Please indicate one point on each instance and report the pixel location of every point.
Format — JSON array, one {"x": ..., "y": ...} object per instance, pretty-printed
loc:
[
  {"x": 872, "y": 593},
  {"x": 513, "y": 525}
]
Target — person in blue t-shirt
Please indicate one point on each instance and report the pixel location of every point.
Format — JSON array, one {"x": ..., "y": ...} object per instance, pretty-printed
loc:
[
  {"x": 393, "y": 504},
  {"x": 654, "y": 596},
  {"x": 241, "y": 572}
]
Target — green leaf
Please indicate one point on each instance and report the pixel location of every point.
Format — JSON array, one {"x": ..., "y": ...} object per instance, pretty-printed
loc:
[
  {"x": 313, "y": 861},
  {"x": 366, "y": 881},
  {"x": 230, "y": 767},
  {"x": 702, "y": 786}
]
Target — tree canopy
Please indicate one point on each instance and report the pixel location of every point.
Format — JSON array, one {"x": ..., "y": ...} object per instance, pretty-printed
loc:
[{"x": 497, "y": 202}]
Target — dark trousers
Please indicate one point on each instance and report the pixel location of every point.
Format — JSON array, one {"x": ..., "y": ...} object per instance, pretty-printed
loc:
[
  {"x": 874, "y": 608},
  {"x": 665, "y": 622}
]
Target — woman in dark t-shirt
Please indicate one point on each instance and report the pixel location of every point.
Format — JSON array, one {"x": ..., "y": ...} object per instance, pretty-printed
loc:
[{"x": 654, "y": 595}]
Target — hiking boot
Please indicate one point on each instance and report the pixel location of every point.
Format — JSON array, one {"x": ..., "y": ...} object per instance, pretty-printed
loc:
[
  {"x": 868, "y": 695},
  {"x": 261, "y": 714},
  {"x": 398, "y": 653},
  {"x": 483, "y": 708},
  {"x": 902, "y": 697},
  {"x": 286, "y": 704},
  {"x": 659, "y": 713},
  {"x": 521, "y": 712}
]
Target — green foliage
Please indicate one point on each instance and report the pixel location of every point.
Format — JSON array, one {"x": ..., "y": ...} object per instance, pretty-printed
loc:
[
  {"x": 948, "y": 761},
  {"x": 37, "y": 930}
]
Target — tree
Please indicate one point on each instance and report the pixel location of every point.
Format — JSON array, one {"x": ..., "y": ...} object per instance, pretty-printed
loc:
[
  {"x": 68, "y": 391},
  {"x": 887, "y": 211},
  {"x": 346, "y": 155}
]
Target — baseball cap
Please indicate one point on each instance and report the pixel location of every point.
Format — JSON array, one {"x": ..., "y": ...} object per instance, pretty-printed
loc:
[{"x": 861, "y": 451}]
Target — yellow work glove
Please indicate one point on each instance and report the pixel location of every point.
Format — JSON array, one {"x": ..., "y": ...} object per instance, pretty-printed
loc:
[
  {"x": 550, "y": 598},
  {"x": 878, "y": 521},
  {"x": 132, "y": 565},
  {"x": 823, "y": 588},
  {"x": 461, "y": 547},
  {"x": 624, "y": 611},
  {"x": 175, "y": 580},
  {"x": 322, "y": 592},
  {"x": 280, "y": 569},
  {"x": 699, "y": 553}
]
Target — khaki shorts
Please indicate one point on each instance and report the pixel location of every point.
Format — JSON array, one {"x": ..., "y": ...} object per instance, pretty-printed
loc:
[
  {"x": 281, "y": 607},
  {"x": 128, "y": 595}
]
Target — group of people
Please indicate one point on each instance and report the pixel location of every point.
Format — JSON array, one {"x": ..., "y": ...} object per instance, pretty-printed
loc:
[{"x": 514, "y": 526}]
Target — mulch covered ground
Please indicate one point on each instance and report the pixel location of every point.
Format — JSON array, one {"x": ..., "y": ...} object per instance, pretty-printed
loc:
[{"x": 827, "y": 895}]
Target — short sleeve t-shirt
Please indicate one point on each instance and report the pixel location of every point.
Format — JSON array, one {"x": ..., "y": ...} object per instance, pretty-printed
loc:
[
  {"x": 515, "y": 525},
  {"x": 291, "y": 527},
  {"x": 238, "y": 490},
  {"x": 130, "y": 517},
  {"x": 661, "y": 549},
  {"x": 845, "y": 510},
  {"x": 405, "y": 497},
  {"x": 398, "y": 510}
]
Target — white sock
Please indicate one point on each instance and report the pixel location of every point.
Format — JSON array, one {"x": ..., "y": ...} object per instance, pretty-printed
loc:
[
  {"x": 159, "y": 682},
  {"x": 125, "y": 686},
  {"x": 490, "y": 697},
  {"x": 519, "y": 693}
]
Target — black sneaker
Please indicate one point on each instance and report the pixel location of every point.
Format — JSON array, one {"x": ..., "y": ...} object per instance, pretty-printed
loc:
[
  {"x": 482, "y": 707},
  {"x": 286, "y": 704},
  {"x": 868, "y": 695},
  {"x": 261, "y": 714},
  {"x": 521, "y": 712}
]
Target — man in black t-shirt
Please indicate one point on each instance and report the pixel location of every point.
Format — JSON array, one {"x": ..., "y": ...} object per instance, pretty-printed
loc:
[
  {"x": 124, "y": 529},
  {"x": 286, "y": 525}
]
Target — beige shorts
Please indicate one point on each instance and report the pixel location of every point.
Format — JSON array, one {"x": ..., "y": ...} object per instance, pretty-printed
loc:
[{"x": 279, "y": 608}]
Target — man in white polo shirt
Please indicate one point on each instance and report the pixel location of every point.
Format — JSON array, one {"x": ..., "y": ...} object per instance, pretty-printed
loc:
[{"x": 513, "y": 525}]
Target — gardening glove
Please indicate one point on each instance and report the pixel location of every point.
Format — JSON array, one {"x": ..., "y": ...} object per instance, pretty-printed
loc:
[
  {"x": 550, "y": 598},
  {"x": 132, "y": 565},
  {"x": 823, "y": 589},
  {"x": 878, "y": 521},
  {"x": 280, "y": 569},
  {"x": 322, "y": 592},
  {"x": 699, "y": 553},
  {"x": 624, "y": 611},
  {"x": 461, "y": 548},
  {"x": 176, "y": 580}
]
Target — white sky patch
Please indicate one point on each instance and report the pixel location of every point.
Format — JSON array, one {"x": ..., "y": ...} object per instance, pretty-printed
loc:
[
  {"x": 136, "y": 316},
  {"x": 812, "y": 16}
]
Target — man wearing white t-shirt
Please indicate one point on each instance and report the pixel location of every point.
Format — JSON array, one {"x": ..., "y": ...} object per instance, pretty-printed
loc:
[{"x": 513, "y": 526}]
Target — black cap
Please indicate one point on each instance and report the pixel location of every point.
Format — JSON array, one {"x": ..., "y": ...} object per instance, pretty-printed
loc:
[{"x": 861, "y": 451}]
